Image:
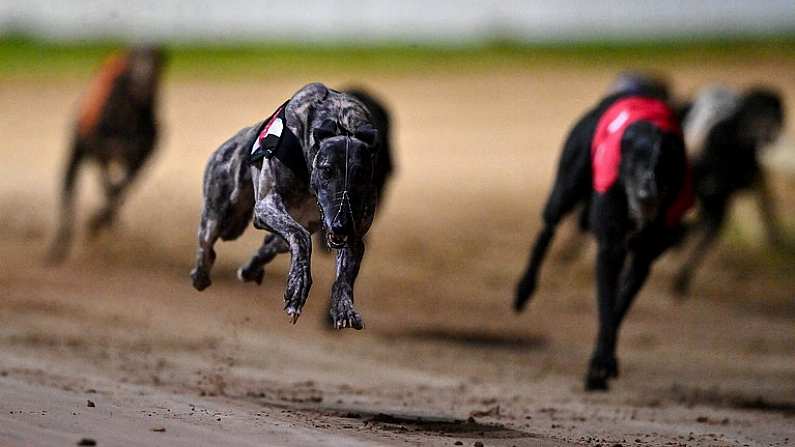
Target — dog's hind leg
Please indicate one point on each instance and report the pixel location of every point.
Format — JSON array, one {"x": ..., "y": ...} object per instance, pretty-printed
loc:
[
  {"x": 209, "y": 231},
  {"x": 254, "y": 269},
  {"x": 63, "y": 237},
  {"x": 561, "y": 202},
  {"x": 576, "y": 241},
  {"x": 572, "y": 186}
]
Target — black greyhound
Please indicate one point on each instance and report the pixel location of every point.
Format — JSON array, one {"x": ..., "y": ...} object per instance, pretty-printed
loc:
[
  {"x": 117, "y": 128},
  {"x": 625, "y": 161},
  {"x": 316, "y": 163},
  {"x": 727, "y": 162}
]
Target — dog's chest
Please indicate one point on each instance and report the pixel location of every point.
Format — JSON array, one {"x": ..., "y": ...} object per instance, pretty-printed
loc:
[
  {"x": 305, "y": 212},
  {"x": 300, "y": 204}
]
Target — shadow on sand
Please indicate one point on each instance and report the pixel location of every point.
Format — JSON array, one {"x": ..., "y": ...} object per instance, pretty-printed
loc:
[
  {"x": 691, "y": 396},
  {"x": 437, "y": 425},
  {"x": 475, "y": 338}
]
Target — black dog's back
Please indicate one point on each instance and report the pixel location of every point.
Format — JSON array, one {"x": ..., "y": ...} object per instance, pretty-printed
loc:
[
  {"x": 573, "y": 181},
  {"x": 380, "y": 115}
]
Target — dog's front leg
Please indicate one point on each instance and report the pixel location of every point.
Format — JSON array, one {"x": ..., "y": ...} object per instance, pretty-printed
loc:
[
  {"x": 271, "y": 214},
  {"x": 632, "y": 280},
  {"x": 349, "y": 259},
  {"x": 767, "y": 209},
  {"x": 609, "y": 263},
  {"x": 710, "y": 226}
]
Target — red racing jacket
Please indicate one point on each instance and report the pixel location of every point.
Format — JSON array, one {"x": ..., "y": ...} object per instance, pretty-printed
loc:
[{"x": 606, "y": 147}]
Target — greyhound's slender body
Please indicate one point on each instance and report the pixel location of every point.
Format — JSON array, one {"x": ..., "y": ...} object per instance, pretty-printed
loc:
[
  {"x": 328, "y": 180},
  {"x": 634, "y": 189},
  {"x": 728, "y": 131},
  {"x": 117, "y": 128}
]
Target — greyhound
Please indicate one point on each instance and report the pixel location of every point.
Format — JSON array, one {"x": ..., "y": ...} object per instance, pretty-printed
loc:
[
  {"x": 728, "y": 131},
  {"x": 314, "y": 164},
  {"x": 625, "y": 161},
  {"x": 117, "y": 128}
]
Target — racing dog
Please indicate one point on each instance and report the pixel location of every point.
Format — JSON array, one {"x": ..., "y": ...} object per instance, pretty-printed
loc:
[
  {"x": 729, "y": 132},
  {"x": 625, "y": 161},
  {"x": 117, "y": 128},
  {"x": 314, "y": 164}
]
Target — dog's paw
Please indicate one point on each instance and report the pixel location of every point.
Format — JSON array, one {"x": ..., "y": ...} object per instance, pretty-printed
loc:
[
  {"x": 98, "y": 223},
  {"x": 595, "y": 382},
  {"x": 343, "y": 315},
  {"x": 249, "y": 273},
  {"x": 201, "y": 279},
  {"x": 599, "y": 372},
  {"x": 299, "y": 281},
  {"x": 524, "y": 290}
]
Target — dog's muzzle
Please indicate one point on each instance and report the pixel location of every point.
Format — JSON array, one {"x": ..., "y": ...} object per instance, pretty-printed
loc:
[{"x": 336, "y": 240}]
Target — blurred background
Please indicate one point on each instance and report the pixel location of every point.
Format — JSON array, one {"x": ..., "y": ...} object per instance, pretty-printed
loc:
[
  {"x": 482, "y": 94},
  {"x": 364, "y": 22}
]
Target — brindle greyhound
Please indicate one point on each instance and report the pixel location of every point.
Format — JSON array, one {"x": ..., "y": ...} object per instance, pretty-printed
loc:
[
  {"x": 117, "y": 128},
  {"x": 625, "y": 160},
  {"x": 320, "y": 170},
  {"x": 729, "y": 131}
]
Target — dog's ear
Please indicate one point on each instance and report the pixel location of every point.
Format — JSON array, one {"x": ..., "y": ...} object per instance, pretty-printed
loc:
[
  {"x": 327, "y": 129},
  {"x": 367, "y": 135}
]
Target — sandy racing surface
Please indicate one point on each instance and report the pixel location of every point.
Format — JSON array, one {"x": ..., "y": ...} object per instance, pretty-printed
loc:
[{"x": 442, "y": 360}]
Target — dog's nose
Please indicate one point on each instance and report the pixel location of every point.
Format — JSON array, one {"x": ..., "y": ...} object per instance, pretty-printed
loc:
[{"x": 647, "y": 191}]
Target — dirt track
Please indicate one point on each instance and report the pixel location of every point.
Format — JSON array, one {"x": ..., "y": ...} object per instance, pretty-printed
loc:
[{"x": 442, "y": 358}]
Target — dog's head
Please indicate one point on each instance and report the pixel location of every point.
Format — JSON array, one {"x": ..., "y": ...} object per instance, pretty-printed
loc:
[
  {"x": 145, "y": 67},
  {"x": 651, "y": 165},
  {"x": 761, "y": 116},
  {"x": 342, "y": 181}
]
